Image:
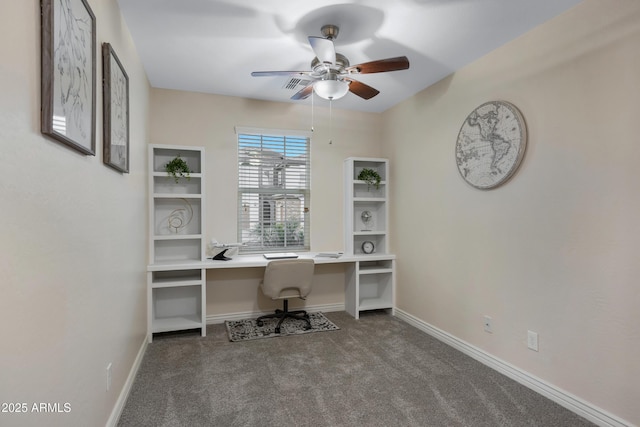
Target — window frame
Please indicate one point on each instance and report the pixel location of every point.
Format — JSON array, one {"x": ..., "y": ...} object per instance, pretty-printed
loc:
[{"x": 279, "y": 224}]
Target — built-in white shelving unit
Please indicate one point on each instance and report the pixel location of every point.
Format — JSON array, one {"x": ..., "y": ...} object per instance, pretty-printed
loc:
[
  {"x": 370, "y": 284},
  {"x": 176, "y": 299}
]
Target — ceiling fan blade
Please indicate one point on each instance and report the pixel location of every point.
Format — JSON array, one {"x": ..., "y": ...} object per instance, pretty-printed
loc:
[
  {"x": 380, "y": 66},
  {"x": 324, "y": 49},
  {"x": 279, "y": 73},
  {"x": 362, "y": 90},
  {"x": 304, "y": 92}
]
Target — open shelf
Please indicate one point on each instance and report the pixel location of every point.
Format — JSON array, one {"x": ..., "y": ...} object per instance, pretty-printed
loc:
[
  {"x": 377, "y": 213},
  {"x": 174, "y": 278},
  {"x": 177, "y": 216},
  {"x": 177, "y": 308},
  {"x": 178, "y": 323},
  {"x": 177, "y": 249},
  {"x": 164, "y": 154},
  {"x": 376, "y": 291},
  {"x": 379, "y": 165},
  {"x": 373, "y": 304},
  {"x": 165, "y": 184},
  {"x": 363, "y": 190},
  {"x": 176, "y": 301},
  {"x": 378, "y": 240},
  {"x": 376, "y": 267}
]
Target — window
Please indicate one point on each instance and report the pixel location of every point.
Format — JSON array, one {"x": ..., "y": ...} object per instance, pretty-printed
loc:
[{"x": 273, "y": 190}]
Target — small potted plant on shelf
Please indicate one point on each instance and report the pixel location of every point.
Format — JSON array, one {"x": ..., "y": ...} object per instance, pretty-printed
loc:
[
  {"x": 370, "y": 176},
  {"x": 177, "y": 168}
]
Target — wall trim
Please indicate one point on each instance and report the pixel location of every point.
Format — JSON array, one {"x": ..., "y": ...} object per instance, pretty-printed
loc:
[
  {"x": 561, "y": 397},
  {"x": 126, "y": 388},
  {"x": 220, "y": 318}
]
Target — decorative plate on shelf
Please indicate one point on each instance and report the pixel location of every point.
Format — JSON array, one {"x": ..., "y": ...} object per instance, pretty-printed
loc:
[{"x": 491, "y": 144}]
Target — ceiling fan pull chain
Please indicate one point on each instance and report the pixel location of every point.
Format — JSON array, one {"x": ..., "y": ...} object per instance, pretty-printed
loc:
[
  {"x": 330, "y": 121},
  {"x": 312, "y": 121}
]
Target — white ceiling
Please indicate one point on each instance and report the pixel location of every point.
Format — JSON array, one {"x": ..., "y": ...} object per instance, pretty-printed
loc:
[{"x": 212, "y": 46}]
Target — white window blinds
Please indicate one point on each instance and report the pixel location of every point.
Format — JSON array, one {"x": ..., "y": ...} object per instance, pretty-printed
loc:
[{"x": 273, "y": 191}]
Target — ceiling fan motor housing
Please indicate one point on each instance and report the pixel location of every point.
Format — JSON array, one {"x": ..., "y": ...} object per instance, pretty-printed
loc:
[{"x": 341, "y": 63}]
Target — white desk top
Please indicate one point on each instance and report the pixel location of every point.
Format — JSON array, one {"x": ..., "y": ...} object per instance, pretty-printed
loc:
[{"x": 257, "y": 260}]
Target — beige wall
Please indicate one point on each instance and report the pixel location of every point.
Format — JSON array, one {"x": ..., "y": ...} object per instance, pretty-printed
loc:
[
  {"x": 73, "y": 246},
  {"x": 208, "y": 120},
  {"x": 555, "y": 250}
]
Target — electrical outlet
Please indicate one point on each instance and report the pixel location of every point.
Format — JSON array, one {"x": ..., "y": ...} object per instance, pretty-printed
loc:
[
  {"x": 488, "y": 324},
  {"x": 109, "y": 376},
  {"x": 532, "y": 340}
]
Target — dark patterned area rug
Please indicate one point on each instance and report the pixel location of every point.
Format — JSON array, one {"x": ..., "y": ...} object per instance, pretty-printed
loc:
[{"x": 242, "y": 330}]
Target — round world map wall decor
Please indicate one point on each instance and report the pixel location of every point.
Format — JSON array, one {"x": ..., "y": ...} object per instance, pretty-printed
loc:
[{"x": 491, "y": 144}]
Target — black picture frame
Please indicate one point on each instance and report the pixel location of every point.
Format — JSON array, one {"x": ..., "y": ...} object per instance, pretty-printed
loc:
[
  {"x": 68, "y": 77},
  {"x": 115, "y": 111}
]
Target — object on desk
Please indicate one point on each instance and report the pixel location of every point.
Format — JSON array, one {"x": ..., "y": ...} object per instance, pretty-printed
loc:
[
  {"x": 222, "y": 251},
  {"x": 329, "y": 254},
  {"x": 220, "y": 256},
  {"x": 280, "y": 255}
]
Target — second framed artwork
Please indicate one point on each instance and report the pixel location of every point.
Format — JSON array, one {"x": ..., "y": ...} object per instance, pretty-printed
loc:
[{"x": 115, "y": 111}]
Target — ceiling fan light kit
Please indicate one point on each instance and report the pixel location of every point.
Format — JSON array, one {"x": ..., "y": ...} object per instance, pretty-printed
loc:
[
  {"x": 331, "y": 88},
  {"x": 330, "y": 71}
]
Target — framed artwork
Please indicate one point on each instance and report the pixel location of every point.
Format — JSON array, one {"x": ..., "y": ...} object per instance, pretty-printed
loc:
[
  {"x": 68, "y": 81},
  {"x": 115, "y": 111}
]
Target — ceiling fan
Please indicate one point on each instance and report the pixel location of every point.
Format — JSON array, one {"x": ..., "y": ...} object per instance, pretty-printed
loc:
[{"x": 330, "y": 74}]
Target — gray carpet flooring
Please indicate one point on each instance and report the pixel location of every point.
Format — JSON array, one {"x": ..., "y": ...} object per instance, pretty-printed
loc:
[{"x": 376, "y": 371}]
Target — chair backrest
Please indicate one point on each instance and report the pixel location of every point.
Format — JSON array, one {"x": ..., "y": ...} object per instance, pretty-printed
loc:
[{"x": 285, "y": 278}]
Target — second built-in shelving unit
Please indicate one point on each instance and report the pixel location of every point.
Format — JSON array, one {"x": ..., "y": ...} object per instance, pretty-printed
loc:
[{"x": 370, "y": 283}]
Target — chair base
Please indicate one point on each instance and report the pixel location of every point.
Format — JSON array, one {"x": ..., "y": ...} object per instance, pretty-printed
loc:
[{"x": 284, "y": 314}]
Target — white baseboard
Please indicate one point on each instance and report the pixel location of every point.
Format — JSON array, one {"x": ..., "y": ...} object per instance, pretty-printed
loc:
[
  {"x": 220, "y": 318},
  {"x": 561, "y": 397},
  {"x": 124, "y": 393}
]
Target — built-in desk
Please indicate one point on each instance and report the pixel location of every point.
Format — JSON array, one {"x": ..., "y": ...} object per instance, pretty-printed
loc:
[{"x": 176, "y": 291}]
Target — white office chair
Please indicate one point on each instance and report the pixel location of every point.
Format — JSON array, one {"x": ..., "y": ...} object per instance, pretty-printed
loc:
[{"x": 284, "y": 279}]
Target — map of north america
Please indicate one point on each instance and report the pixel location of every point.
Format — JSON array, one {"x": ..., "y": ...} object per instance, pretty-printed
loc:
[{"x": 490, "y": 144}]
